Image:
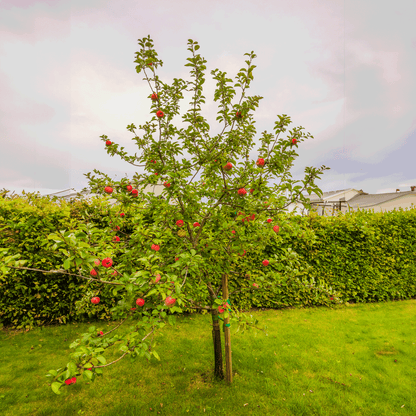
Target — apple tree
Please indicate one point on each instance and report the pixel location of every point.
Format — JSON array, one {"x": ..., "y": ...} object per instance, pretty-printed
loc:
[{"x": 221, "y": 201}]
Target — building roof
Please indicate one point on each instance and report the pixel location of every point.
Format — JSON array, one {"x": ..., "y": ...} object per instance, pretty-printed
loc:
[
  {"x": 362, "y": 199},
  {"x": 369, "y": 200},
  {"x": 315, "y": 198}
]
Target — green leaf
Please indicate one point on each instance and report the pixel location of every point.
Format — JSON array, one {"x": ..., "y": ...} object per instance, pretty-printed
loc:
[
  {"x": 88, "y": 374},
  {"x": 152, "y": 292},
  {"x": 156, "y": 355},
  {"x": 67, "y": 264},
  {"x": 74, "y": 344},
  {"x": 56, "y": 386},
  {"x": 72, "y": 367},
  {"x": 102, "y": 359}
]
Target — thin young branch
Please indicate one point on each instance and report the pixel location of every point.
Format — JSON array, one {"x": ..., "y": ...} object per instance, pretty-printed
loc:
[
  {"x": 130, "y": 349},
  {"x": 184, "y": 280},
  {"x": 70, "y": 274},
  {"x": 197, "y": 306}
]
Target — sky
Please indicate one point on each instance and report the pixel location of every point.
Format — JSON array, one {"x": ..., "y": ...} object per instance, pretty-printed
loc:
[{"x": 343, "y": 70}]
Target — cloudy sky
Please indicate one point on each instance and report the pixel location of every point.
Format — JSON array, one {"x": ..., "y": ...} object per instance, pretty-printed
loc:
[{"x": 343, "y": 70}]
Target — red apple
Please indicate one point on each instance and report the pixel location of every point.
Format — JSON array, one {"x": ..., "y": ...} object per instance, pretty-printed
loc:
[
  {"x": 260, "y": 162},
  {"x": 228, "y": 166},
  {"x": 72, "y": 380},
  {"x": 222, "y": 308},
  {"x": 122, "y": 214},
  {"x": 116, "y": 238},
  {"x": 176, "y": 258},
  {"x": 166, "y": 185},
  {"x": 233, "y": 231},
  {"x": 197, "y": 224},
  {"x": 179, "y": 223},
  {"x": 242, "y": 255},
  {"x": 294, "y": 141},
  {"x": 97, "y": 262},
  {"x": 117, "y": 228},
  {"x": 108, "y": 189},
  {"x": 108, "y": 143},
  {"x": 155, "y": 247},
  {"x": 265, "y": 262},
  {"x": 93, "y": 272},
  {"x": 269, "y": 220},
  {"x": 276, "y": 228},
  {"x": 154, "y": 97},
  {"x": 100, "y": 333},
  {"x": 238, "y": 114},
  {"x": 114, "y": 273},
  {"x": 242, "y": 191},
  {"x": 134, "y": 192},
  {"x": 169, "y": 301},
  {"x": 157, "y": 278},
  {"x": 107, "y": 262},
  {"x": 251, "y": 191},
  {"x": 129, "y": 188},
  {"x": 255, "y": 285},
  {"x": 160, "y": 113},
  {"x": 95, "y": 300},
  {"x": 140, "y": 302}
]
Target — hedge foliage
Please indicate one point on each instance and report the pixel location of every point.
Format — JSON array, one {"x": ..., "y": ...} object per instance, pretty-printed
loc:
[{"x": 361, "y": 256}]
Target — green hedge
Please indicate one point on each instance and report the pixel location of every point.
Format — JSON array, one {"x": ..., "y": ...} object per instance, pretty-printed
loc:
[
  {"x": 31, "y": 298},
  {"x": 361, "y": 257}
]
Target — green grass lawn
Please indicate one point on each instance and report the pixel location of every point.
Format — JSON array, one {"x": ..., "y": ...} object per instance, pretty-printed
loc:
[{"x": 352, "y": 360}]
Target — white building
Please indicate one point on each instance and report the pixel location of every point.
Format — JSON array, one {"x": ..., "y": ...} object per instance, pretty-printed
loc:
[{"x": 354, "y": 200}]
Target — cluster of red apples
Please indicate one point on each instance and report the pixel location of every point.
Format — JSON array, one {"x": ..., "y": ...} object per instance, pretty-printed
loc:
[{"x": 107, "y": 262}]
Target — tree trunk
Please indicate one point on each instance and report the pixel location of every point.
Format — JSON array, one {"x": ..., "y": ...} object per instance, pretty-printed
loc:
[
  {"x": 227, "y": 335},
  {"x": 216, "y": 336}
]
